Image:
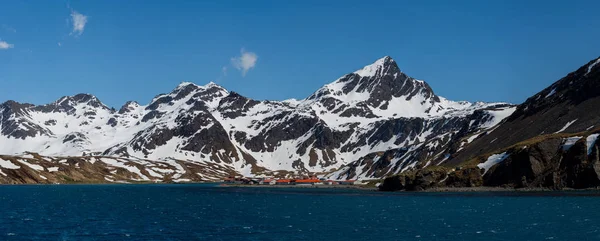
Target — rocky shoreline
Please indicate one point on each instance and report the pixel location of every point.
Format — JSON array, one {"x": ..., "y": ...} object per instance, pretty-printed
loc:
[
  {"x": 356, "y": 187},
  {"x": 479, "y": 189}
]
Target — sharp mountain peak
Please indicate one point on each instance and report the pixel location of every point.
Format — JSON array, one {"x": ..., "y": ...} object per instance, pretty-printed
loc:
[{"x": 382, "y": 66}]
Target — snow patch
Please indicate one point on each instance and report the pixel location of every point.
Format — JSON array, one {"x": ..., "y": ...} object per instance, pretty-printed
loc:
[
  {"x": 498, "y": 116},
  {"x": 182, "y": 180},
  {"x": 292, "y": 102},
  {"x": 8, "y": 165},
  {"x": 566, "y": 126},
  {"x": 591, "y": 66},
  {"x": 493, "y": 160},
  {"x": 590, "y": 141},
  {"x": 569, "y": 142},
  {"x": 153, "y": 173},
  {"x": 552, "y": 92},
  {"x": 471, "y": 138},
  {"x": 32, "y": 166}
]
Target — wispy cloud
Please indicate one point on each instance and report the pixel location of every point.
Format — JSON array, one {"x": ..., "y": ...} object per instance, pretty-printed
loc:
[
  {"x": 79, "y": 21},
  {"x": 224, "y": 71},
  {"x": 5, "y": 45},
  {"x": 244, "y": 62}
]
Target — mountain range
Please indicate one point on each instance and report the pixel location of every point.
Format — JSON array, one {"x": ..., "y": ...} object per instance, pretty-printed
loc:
[{"x": 372, "y": 123}]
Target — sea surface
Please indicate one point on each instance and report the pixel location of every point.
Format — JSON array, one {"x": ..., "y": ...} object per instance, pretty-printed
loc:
[{"x": 208, "y": 212}]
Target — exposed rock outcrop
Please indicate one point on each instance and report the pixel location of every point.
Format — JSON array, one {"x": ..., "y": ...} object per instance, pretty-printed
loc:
[{"x": 548, "y": 164}]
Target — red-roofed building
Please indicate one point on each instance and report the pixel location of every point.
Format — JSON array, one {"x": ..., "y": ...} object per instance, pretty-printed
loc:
[{"x": 309, "y": 182}]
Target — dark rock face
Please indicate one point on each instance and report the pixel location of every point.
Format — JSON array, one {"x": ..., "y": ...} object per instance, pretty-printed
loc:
[
  {"x": 235, "y": 105},
  {"x": 427, "y": 178},
  {"x": 211, "y": 140},
  {"x": 415, "y": 181},
  {"x": 524, "y": 167},
  {"x": 50, "y": 122},
  {"x": 184, "y": 91},
  {"x": 151, "y": 138},
  {"x": 394, "y": 183},
  {"x": 212, "y": 91},
  {"x": 112, "y": 122},
  {"x": 403, "y": 126},
  {"x": 67, "y": 104},
  {"x": 127, "y": 107},
  {"x": 89, "y": 99},
  {"x": 14, "y": 125},
  {"x": 161, "y": 100},
  {"x": 151, "y": 115},
  {"x": 292, "y": 127},
  {"x": 75, "y": 137},
  {"x": 361, "y": 110},
  {"x": 547, "y": 165},
  {"x": 581, "y": 170},
  {"x": 466, "y": 177}
]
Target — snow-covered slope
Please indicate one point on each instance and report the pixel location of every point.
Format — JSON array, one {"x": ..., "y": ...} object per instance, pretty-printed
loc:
[{"x": 369, "y": 123}]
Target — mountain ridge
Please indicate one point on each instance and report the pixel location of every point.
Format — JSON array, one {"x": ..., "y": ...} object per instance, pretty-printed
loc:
[
  {"x": 375, "y": 109},
  {"x": 212, "y": 83},
  {"x": 372, "y": 123}
]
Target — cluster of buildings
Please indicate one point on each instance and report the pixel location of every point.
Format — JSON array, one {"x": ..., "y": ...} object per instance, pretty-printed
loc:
[{"x": 301, "y": 181}]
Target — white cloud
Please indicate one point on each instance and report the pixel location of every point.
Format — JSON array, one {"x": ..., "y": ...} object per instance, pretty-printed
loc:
[
  {"x": 244, "y": 62},
  {"x": 5, "y": 45},
  {"x": 79, "y": 20},
  {"x": 224, "y": 71}
]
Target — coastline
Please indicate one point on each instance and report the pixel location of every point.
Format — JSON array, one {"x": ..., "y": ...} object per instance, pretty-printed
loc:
[
  {"x": 356, "y": 187},
  {"x": 365, "y": 188},
  {"x": 488, "y": 189},
  {"x": 480, "y": 189}
]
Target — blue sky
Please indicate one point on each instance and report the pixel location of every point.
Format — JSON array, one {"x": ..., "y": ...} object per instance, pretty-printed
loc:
[{"x": 134, "y": 50}]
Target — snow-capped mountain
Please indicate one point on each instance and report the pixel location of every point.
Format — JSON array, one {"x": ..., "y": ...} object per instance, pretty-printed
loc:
[{"x": 370, "y": 123}]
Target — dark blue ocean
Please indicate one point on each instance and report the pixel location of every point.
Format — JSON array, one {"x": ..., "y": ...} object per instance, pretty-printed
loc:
[{"x": 204, "y": 212}]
